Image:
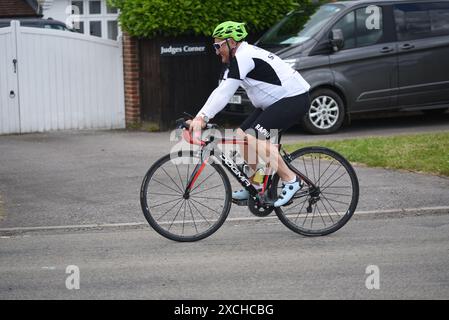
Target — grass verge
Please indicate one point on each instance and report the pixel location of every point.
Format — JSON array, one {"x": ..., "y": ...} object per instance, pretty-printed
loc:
[{"x": 426, "y": 153}]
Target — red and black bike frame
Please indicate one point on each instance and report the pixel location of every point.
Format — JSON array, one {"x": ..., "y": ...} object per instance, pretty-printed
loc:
[{"x": 231, "y": 166}]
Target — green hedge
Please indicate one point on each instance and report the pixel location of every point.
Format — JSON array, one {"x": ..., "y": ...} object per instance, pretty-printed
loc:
[{"x": 150, "y": 18}]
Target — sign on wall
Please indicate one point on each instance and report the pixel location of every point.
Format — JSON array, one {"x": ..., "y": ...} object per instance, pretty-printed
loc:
[{"x": 182, "y": 49}]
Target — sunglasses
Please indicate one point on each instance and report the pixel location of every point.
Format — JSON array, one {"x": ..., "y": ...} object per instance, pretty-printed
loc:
[{"x": 218, "y": 45}]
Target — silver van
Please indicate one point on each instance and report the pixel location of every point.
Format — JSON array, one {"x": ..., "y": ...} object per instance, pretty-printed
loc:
[{"x": 361, "y": 56}]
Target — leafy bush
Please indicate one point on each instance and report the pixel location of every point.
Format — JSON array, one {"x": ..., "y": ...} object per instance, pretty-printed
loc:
[{"x": 150, "y": 18}]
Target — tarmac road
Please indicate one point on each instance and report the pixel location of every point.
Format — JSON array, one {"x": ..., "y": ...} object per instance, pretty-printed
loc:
[
  {"x": 242, "y": 260},
  {"x": 69, "y": 185}
]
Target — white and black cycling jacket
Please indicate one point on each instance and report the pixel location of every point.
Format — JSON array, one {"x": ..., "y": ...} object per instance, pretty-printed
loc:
[{"x": 265, "y": 77}]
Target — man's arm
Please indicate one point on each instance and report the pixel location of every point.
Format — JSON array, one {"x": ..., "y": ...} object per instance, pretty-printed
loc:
[{"x": 220, "y": 97}]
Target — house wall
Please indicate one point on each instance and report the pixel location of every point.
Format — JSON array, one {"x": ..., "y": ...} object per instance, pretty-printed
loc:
[
  {"x": 84, "y": 22},
  {"x": 56, "y": 10}
]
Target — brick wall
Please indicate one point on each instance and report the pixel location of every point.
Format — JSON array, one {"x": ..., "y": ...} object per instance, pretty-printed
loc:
[
  {"x": 17, "y": 8},
  {"x": 131, "y": 78}
]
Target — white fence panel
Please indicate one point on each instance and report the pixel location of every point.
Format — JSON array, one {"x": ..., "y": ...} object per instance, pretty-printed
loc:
[
  {"x": 9, "y": 99},
  {"x": 67, "y": 81}
]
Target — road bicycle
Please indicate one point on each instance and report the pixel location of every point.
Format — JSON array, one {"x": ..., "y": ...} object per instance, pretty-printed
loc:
[{"x": 187, "y": 195}]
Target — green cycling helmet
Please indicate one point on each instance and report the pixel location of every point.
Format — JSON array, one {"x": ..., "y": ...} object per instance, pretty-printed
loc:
[{"x": 230, "y": 29}]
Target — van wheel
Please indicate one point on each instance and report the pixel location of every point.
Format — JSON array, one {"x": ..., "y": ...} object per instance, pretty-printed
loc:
[{"x": 326, "y": 113}]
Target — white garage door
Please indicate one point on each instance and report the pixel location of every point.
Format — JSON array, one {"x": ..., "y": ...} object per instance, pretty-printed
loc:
[{"x": 57, "y": 80}]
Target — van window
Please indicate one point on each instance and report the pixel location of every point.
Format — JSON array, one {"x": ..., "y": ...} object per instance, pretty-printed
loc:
[
  {"x": 421, "y": 20},
  {"x": 362, "y": 27},
  {"x": 369, "y": 26},
  {"x": 294, "y": 28},
  {"x": 347, "y": 25}
]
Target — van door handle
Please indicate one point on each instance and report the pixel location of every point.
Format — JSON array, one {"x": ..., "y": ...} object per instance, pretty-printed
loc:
[
  {"x": 386, "y": 49},
  {"x": 407, "y": 46}
]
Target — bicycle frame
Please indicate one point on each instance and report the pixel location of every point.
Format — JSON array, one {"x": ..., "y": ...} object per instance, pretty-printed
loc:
[{"x": 232, "y": 167}]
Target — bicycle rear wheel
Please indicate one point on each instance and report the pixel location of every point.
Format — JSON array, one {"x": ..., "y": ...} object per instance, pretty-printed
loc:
[
  {"x": 173, "y": 214},
  {"x": 328, "y": 208}
]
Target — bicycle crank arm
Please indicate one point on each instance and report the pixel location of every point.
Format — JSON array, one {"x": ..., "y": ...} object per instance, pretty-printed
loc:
[{"x": 242, "y": 203}]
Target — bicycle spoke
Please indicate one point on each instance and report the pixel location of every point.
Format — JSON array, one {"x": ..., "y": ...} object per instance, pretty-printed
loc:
[
  {"x": 188, "y": 202},
  {"x": 164, "y": 194},
  {"x": 200, "y": 213},
  {"x": 203, "y": 181},
  {"x": 172, "y": 179},
  {"x": 301, "y": 210},
  {"x": 188, "y": 171},
  {"x": 313, "y": 216},
  {"x": 160, "y": 204},
  {"x": 177, "y": 191},
  {"x": 180, "y": 179},
  {"x": 318, "y": 182},
  {"x": 305, "y": 166},
  {"x": 313, "y": 169},
  {"x": 289, "y": 208},
  {"x": 331, "y": 206},
  {"x": 177, "y": 212},
  {"x": 337, "y": 178},
  {"x": 319, "y": 212},
  {"x": 219, "y": 185},
  {"x": 169, "y": 210},
  {"x": 319, "y": 169},
  {"x": 208, "y": 198},
  {"x": 336, "y": 187},
  {"x": 332, "y": 175},
  {"x": 328, "y": 212},
  {"x": 339, "y": 194},
  {"x": 345, "y": 203},
  {"x": 219, "y": 213},
  {"x": 184, "y": 216}
]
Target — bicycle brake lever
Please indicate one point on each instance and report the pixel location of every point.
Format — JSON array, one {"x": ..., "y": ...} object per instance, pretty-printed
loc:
[
  {"x": 188, "y": 115},
  {"x": 181, "y": 124}
]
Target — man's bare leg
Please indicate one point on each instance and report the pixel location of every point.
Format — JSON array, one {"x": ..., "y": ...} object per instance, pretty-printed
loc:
[{"x": 268, "y": 152}]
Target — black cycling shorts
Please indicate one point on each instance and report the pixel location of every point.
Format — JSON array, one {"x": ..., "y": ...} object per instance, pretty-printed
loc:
[{"x": 281, "y": 115}]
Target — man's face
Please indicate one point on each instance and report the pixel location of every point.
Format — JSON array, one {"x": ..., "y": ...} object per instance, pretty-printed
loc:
[{"x": 223, "y": 52}]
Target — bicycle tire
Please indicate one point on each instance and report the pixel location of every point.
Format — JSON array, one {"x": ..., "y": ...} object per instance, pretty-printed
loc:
[
  {"x": 352, "y": 205},
  {"x": 158, "y": 227}
]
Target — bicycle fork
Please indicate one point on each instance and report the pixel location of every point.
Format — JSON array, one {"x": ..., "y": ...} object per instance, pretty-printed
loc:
[{"x": 193, "y": 178}]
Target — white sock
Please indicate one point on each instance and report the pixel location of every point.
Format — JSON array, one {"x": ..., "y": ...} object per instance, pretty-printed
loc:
[{"x": 291, "y": 181}]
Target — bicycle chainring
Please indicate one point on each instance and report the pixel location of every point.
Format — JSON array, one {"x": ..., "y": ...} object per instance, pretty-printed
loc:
[{"x": 259, "y": 210}]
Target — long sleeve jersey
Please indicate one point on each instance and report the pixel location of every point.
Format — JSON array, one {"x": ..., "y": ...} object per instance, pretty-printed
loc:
[{"x": 265, "y": 77}]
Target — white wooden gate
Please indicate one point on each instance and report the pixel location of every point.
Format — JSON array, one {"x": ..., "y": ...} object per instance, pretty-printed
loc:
[{"x": 55, "y": 80}]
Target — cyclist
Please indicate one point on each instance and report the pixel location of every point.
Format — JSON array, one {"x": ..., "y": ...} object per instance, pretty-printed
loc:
[{"x": 278, "y": 92}]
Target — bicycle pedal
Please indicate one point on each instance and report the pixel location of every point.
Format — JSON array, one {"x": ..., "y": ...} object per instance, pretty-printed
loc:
[{"x": 240, "y": 202}]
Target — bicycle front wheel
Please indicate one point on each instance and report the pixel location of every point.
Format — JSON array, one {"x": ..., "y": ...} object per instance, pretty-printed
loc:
[
  {"x": 327, "y": 208},
  {"x": 178, "y": 216}
]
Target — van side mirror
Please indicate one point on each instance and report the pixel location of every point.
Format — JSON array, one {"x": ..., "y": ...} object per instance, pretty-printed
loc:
[{"x": 337, "y": 39}]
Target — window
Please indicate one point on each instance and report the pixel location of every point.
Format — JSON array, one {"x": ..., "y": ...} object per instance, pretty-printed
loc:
[
  {"x": 294, "y": 29},
  {"x": 112, "y": 30},
  {"x": 362, "y": 27},
  {"x": 369, "y": 26},
  {"x": 421, "y": 20},
  {"x": 347, "y": 25},
  {"x": 77, "y": 7},
  {"x": 95, "y": 28},
  {"x": 80, "y": 28},
  {"x": 94, "y": 7},
  {"x": 110, "y": 9}
]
